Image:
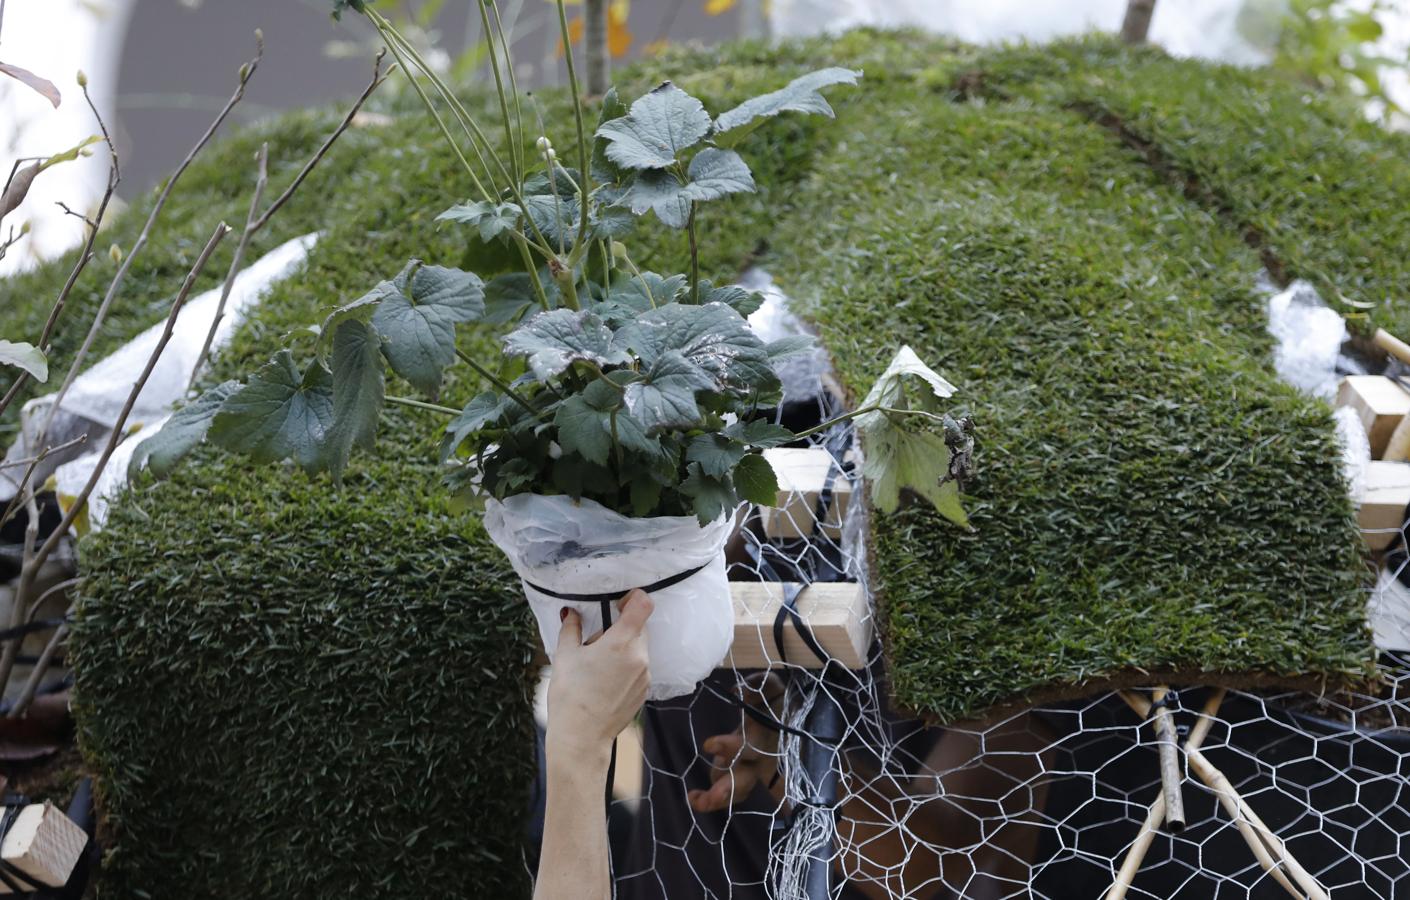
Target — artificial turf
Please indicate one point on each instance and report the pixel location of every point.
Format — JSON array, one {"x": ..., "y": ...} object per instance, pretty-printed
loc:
[{"x": 289, "y": 690}]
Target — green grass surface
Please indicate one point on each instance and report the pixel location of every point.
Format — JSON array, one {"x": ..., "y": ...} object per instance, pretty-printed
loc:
[{"x": 291, "y": 692}]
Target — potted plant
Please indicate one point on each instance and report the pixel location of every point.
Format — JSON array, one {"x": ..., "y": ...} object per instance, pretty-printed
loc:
[{"x": 620, "y": 430}]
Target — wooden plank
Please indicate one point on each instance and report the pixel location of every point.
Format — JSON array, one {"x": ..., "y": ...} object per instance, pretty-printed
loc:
[
  {"x": 1384, "y": 496},
  {"x": 836, "y": 613},
  {"x": 44, "y": 844},
  {"x": 802, "y": 475},
  {"x": 1380, "y": 403}
]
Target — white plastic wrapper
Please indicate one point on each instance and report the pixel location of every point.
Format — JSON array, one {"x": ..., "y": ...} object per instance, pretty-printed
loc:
[
  {"x": 1309, "y": 339},
  {"x": 801, "y": 374},
  {"x": 584, "y": 548},
  {"x": 1355, "y": 448}
]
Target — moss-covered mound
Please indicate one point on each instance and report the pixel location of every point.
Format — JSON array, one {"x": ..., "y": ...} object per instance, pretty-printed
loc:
[{"x": 290, "y": 692}]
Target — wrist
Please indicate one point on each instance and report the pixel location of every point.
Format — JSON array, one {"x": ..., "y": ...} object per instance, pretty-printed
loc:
[{"x": 576, "y": 753}]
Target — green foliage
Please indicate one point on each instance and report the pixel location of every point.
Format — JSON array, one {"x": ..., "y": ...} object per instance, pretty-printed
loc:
[
  {"x": 25, "y": 356},
  {"x": 633, "y": 378}
]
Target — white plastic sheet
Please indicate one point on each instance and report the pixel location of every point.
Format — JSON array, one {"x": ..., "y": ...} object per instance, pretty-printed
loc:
[
  {"x": 581, "y": 547},
  {"x": 1309, "y": 337}
]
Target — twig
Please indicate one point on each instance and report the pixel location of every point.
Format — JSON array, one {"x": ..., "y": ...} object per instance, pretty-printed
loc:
[
  {"x": 47, "y": 451},
  {"x": 1136, "y": 855},
  {"x": 255, "y": 220},
  {"x": 31, "y": 564},
  {"x": 33, "y": 463},
  {"x": 36, "y": 674},
  {"x": 1170, "y": 775},
  {"x": 246, "y": 72}
]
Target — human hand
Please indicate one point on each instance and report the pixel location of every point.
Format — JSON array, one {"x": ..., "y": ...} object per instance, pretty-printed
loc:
[
  {"x": 597, "y": 687},
  {"x": 745, "y": 758}
]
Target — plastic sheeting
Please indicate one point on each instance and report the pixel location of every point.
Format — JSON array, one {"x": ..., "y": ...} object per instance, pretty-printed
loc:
[{"x": 582, "y": 547}]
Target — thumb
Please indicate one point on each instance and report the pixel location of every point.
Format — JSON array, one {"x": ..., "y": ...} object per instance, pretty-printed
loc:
[
  {"x": 571, "y": 633},
  {"x": 635, "y": 610}
]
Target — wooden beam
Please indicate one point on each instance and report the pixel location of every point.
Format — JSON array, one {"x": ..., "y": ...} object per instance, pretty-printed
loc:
[
  {"x": 44, "y": 844},
  {"x": 802, "y": 475},
  {"x": 1380, "y": 403},
  {"x": 835, "y": 612}
]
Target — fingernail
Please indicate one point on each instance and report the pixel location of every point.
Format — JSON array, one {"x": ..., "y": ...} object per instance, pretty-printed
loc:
[{"x": 563, "y": 614}]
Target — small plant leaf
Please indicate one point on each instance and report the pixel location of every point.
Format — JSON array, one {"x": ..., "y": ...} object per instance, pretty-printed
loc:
[
  {"x": 584, "y": 422},
  {"x": 416, "y": 316},
  {"x": 793, "y": 345},
  {"x": 646, "y": 291},
  {"x": 658, "y": 127},
  {"x": 19, "y": 186},
  {"x": 740, "y": 299},
  {"x": 279, "y": 414},
  {"x": 182, "y": 433},
  {"x": 553, "y": 340},
  {"x": 919, "y": 461},
  {"x": 890, "y": 389},
  {"x": 756, "y": 481},
  {"x": 711, "y": 497},
  {"x": 604, "y": 171},
  {"x": 716, "y": 453},
  {"x": 27, "y": 357},
  {"x": 489, "y": 219},
  {"x": 760, "y": 434},
  {"x": 359, "y": 385},
  {"x": 799, "y": 95},
  {"x": 666, "y": 399},
  {"x": 713, "y": 173},
  {"x": 486, "y": 409}
]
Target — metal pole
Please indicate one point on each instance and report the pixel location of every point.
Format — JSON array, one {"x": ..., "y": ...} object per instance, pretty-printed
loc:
[{"x": 822, "y": 766}]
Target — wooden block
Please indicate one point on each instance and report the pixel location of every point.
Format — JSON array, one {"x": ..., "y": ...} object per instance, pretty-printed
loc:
[
  {"x": 1398, "y": 447},
  {"x": 1384, "y": 496},
  {"x": 836, "y": 613},
  {"x": 802, "y": 475},
  {"x": 44, "y": 844},
  {"x": 1379, "y": 402}
]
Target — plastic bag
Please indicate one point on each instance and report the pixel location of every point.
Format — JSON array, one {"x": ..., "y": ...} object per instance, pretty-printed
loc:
[{"x": 581, "y": 547}]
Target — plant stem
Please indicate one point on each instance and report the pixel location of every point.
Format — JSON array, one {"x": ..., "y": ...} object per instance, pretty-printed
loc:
[
  {"x": 533, "y": 272},
  {"x": 515, "y": 173},
  {"x": 497, "y": 382},
  {"x": 421, "y": 404},
  {"x": 694, "y": 257},
  {"x": 862, "y": 411},
  {"x": 577, "y": 118}
]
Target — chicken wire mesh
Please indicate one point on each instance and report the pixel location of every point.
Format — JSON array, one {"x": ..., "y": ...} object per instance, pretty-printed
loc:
[{"x": 802, "y": 782}]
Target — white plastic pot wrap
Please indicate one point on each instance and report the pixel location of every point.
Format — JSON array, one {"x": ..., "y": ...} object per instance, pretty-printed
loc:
[{"x": 581, "y": 548}]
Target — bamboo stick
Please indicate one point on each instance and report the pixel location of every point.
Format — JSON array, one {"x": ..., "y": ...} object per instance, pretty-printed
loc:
[
  {"x": 1392, "y": 345},
  {"x": 1170, "y": 774},
  {"x": 1136, "y": 854}
]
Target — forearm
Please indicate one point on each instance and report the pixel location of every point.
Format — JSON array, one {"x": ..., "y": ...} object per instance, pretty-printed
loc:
[{"x": 573, "y": 862}]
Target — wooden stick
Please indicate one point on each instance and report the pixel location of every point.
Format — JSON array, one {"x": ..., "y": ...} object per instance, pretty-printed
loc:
[
  {"x": 1136, "y": 855},
  {"x": 1259, "y": 837},
  {"x": 1170, "y": 774},
  {"x": 1392, "y": 345}
]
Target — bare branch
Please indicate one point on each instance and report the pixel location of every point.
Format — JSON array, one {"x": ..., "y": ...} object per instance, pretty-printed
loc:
[
  {"x": 246, "y": 71},
  {"x": 29, "y": 567},
  {"x": 33, "y": 463},
  {"x": 255, "y": 221},
  {"x": 36, "y": 674}
]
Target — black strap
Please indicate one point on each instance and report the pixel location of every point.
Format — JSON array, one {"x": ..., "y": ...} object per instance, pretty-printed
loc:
[{"x": 607, "y": 597}]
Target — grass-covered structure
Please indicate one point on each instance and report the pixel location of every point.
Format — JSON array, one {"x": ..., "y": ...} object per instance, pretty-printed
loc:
[{"x": 291, "y": 693}]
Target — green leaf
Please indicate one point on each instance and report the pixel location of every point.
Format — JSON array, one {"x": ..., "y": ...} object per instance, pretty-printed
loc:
[
  {"x": 646, "y": 291},
  {"x": 489, "y": 219},
  {"x": 417, "y": 315},
  {"x": 181, "y": 434},
  {"x": 646, "y": 494},
  {"x": 604, "y": 171},
  {"x": 507, "y": 296},
  {"x": 800, "y": 95},
  {"x": 27, "y": 357},
  {"x": 279, "y": 414},
  {"x": 711, "y": 497},
  {"x": 896, "y": 459},
  {"x": 716, "y": 453},
  {"x": 712, "y": 336},
  {"x": 358, "y": 388},
  {"x": 556, "y": 218},
  {"x": 553, "y": 340},
  {"x": 658, "y": 127},
  {"x": 740, "y": 299},
  {"x": 666, "y": 399},
  {"x": 760, "y": 434},
  {"x": 583, "y": 429},
  {"x": 890, "y": 389},
  {"x": 486, "y": 409},
  {"x": 756, "y": 481},
  {"x": 713, "y": 173}
]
